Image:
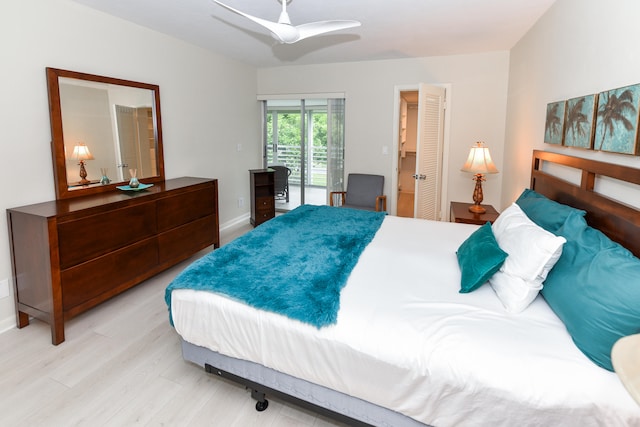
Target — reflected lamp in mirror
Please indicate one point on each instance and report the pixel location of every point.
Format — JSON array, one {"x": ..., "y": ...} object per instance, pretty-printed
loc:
[
  {"x": 625, "y": 357},
  {"x": 479, "y": 163},
  {"x": 81, "y": 153}
]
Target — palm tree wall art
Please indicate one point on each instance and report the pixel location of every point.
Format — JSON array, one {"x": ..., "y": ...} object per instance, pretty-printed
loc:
[
  {"x": 579, "y": 127},
  {"x": 554, "y": 127},
  {"x": 617, "y": 120}
]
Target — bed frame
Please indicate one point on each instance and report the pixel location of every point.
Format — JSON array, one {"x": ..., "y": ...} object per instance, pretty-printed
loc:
[{"x": 617, "y": 220}]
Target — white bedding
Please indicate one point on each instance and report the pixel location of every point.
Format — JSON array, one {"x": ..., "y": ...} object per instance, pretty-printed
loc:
[{"x": 406, "y": 339}]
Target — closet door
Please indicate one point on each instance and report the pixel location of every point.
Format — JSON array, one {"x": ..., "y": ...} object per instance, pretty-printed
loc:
[{"x": 428, "y": 187}]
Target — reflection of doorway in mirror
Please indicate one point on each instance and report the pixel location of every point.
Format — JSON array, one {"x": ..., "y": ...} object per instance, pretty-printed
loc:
[{"x": 136, "y": 141}]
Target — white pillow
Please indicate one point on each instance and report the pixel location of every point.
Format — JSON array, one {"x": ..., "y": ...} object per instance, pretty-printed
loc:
[{"x": 533, "y": 251}]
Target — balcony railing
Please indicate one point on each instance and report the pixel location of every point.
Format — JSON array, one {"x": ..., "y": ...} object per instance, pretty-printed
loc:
[{"x": 316, "y": 168}]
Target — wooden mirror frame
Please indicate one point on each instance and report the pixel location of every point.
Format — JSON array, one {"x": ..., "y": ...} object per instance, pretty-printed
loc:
[{"x": 63, "y": 191}]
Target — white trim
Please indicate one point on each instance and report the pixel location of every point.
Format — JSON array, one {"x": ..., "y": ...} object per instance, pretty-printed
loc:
[
  {"x": 7, "y": 324},
  {"x": 289, "y": 96},
  {"x": 236, "y": 222}
]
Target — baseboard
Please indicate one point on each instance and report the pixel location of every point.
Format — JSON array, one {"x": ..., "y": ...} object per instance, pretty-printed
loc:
[
  {"x": 235, "y": 222},
  {"x": 7, "y": 324}
]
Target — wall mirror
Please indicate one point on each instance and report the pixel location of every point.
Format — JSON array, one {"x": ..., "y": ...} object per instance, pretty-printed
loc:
[{"x": 102, "y": 128}]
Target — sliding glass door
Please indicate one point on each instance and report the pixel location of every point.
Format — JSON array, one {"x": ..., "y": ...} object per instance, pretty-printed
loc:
[{"x": 307, "y": 137}]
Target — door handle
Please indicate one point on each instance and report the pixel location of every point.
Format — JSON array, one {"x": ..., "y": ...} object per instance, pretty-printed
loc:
[{"x": 416, "y": 176}]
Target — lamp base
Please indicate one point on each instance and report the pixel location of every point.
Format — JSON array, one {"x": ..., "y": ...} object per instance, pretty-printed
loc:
[
  {"x": 83, "y": 174},
  {"x": 477, "y": 209}
]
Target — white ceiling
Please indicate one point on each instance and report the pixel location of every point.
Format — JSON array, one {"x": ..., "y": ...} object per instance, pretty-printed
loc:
[{"x": 390, "y": 29}]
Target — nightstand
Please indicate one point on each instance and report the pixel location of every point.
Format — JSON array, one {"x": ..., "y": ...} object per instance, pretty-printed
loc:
[{"x": 460, "y": 213}]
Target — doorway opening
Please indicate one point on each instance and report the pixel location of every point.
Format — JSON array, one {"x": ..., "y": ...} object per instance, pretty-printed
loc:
[
  {"x": 421, "y": 152},
  {"x": 407, "y": 145},
  {"x": 305, "y": 138}
]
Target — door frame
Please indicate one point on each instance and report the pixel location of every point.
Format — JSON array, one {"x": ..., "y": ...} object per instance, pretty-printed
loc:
[
  {"x": 328, "y": 103},
  {"x": 444, "y": 211}
]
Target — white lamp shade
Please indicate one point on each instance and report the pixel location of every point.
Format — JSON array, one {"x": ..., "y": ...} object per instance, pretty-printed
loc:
[
  {"x": 625, "y": 357},
  {"x": 81, "y": 152},
  {"x": 479, "y": 160}
]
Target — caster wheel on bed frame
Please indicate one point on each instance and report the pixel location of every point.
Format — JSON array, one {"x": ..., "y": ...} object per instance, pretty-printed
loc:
[
  {"x": 262, "y": 405},
  {"x": 261, "y": 402}
]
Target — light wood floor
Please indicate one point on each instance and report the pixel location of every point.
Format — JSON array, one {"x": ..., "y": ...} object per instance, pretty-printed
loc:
[
  {"x": 121, "y": 365},
  {"x": 405, "y": 204}
]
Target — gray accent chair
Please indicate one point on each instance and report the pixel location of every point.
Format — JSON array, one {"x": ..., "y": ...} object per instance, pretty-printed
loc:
[{"x": 364, "y": 191}]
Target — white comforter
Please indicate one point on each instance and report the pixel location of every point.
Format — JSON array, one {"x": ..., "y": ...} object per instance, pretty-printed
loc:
[{"x": 407, "y": 340}]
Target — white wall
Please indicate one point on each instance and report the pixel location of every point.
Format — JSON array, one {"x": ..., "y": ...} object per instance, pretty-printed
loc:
[
  {"x": 579, "y": 47},
  {"x": 478, "y": 102},
  {"x": 208, "y": 103}
]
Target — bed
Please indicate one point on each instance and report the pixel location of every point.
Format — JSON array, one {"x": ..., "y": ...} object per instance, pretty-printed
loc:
[{"x": 409, "y": 345}]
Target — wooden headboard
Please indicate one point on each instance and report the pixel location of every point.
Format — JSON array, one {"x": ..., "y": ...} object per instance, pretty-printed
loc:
[{"x": 619, "y": 221}]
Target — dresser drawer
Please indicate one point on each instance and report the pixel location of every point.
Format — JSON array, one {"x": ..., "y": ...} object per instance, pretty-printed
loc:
[
  {"x": 264, "y": 203},
  {"x": 263, "y": 214},
  {"x": 86, "y": 238},
  {"x": 182, "y": 242},
  {"x": 183, "y": 208},
  {"x": 107, "y": 275}
]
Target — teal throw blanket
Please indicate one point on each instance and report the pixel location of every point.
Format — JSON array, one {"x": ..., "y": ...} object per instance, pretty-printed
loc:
[{"x": 295, "y": 264}]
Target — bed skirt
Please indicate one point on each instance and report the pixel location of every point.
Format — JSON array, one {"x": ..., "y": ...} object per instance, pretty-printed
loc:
[{"x": 299, "y": 391}]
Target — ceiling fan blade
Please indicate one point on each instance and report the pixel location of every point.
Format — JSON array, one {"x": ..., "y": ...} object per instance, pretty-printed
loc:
[
  {"x": 321, "y": 27},
  {"x": 282, "y": 32}
]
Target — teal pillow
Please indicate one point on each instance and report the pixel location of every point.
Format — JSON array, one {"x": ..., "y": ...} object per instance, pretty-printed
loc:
[
  {"x": 479, "y": 257},
  {"x": 545, "y": 212},
  {"x": 594, "y": 289}
]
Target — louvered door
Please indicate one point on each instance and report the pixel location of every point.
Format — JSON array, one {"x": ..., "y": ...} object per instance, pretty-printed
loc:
[{"x": 428, "y": 175}]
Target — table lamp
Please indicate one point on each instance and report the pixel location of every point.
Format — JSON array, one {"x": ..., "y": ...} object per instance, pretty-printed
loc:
[
  {"x": 478, "y": 163},
  {"x": 625, "y": 357},
  {"x": 81, "y": 153}
]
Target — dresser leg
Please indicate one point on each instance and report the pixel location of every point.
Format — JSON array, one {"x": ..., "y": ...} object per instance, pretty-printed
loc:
[
  {"x": 22, "y": 319},
  {"x": 57, "y": 332}
]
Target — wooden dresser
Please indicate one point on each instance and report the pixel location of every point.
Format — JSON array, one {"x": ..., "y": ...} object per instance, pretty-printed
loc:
[
  {"x": 263, "y": 204},
  {"x": 70, "y": 255}
]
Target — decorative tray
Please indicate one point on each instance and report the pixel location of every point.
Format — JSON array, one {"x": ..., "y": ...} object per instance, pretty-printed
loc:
[{"x": 138, "y": 188}]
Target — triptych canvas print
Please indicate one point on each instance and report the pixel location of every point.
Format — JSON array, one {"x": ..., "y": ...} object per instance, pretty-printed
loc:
[{"x": 607, "y": 121}]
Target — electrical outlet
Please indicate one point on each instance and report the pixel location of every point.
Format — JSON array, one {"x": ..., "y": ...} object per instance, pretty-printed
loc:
[
  {"x": 240, "y": 202},
  {"x": 4, "y": 288},
  {"x": 238, "y": 147}
]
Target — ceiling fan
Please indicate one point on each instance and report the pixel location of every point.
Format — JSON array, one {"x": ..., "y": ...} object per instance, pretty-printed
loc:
[{"x": 284, "y": 32}]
